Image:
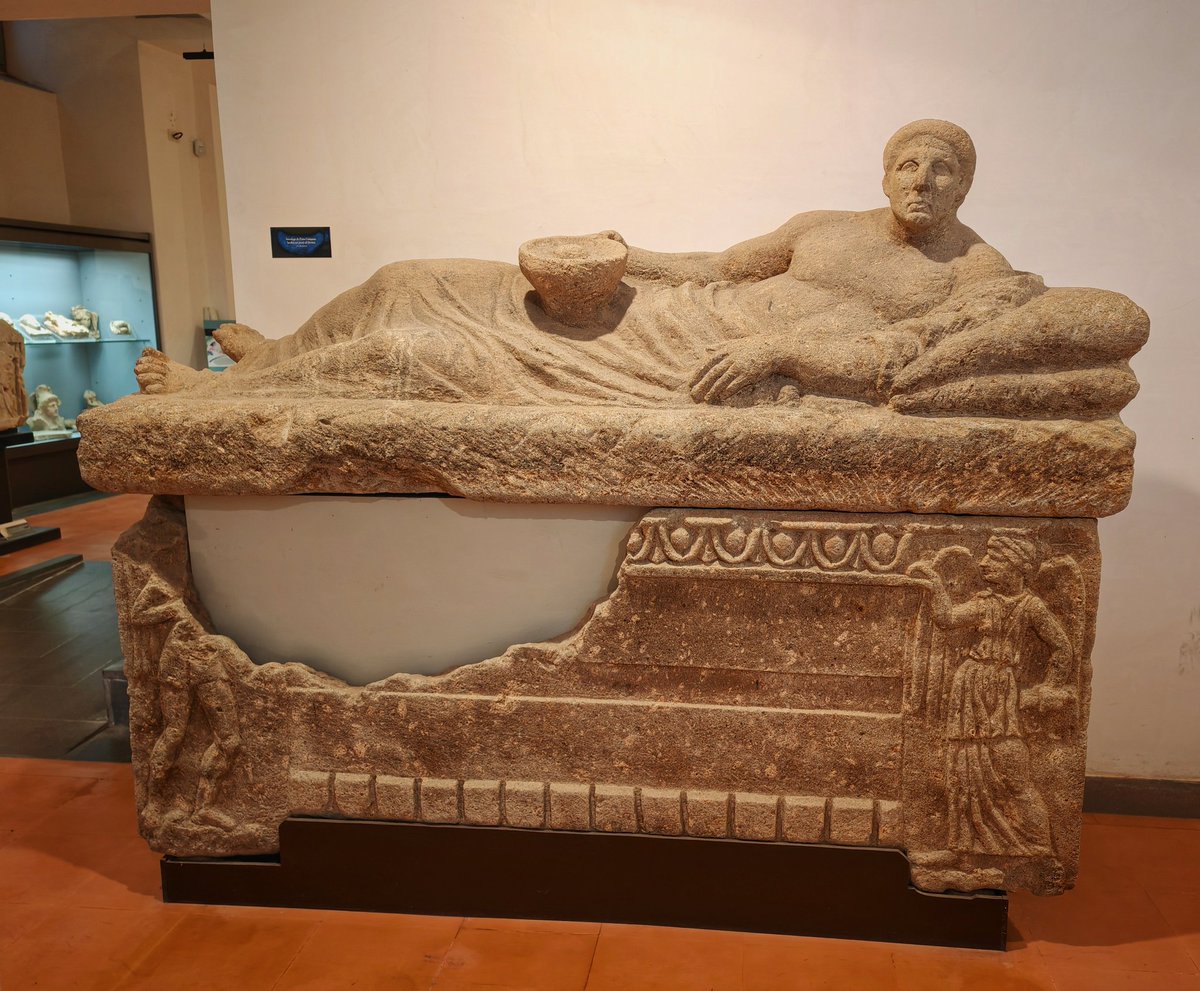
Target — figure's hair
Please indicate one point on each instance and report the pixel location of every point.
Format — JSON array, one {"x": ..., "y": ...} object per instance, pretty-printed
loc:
[
  {"x": 1020, "y": 552},
  {"x": 951, "y": 134}
]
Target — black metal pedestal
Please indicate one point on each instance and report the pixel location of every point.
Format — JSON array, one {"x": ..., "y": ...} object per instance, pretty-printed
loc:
[
  {"x": 796, "y": 889},
  {"x": 26, "y": 536}
]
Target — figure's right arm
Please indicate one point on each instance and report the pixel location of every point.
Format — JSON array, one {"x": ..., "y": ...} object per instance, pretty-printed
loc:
[
  {"x": 945, "y": 613},
  {"x": 750, "y": 261}
]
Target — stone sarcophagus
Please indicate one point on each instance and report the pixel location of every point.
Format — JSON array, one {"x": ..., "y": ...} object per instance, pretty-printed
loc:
[{"x": 800, "y": 644}]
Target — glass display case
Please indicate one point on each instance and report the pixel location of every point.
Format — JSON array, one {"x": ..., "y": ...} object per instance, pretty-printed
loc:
[{"x": 84, "y": 301}]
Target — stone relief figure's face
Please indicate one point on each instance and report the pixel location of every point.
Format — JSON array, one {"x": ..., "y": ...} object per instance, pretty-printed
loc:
[
  {"x": 998, "y": 571},
  {"x": 924, "y": 184},
  {"x": 51, "y": 407}
]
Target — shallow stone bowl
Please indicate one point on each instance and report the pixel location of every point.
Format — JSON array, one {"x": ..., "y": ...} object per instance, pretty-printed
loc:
[{"x": 573, "y": 276}]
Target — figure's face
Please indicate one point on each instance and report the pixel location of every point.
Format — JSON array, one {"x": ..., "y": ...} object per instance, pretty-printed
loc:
[
  {"x": 924, "y": 184},
  {"x": 52, "y": 407},
  {"x": 995, "y": 570}
]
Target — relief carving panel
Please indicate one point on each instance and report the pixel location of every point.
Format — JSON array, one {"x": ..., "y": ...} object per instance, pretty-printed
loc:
[{"x": 910, "y": 681}]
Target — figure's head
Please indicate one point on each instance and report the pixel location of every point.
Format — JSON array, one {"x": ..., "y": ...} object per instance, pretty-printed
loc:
[
  {"x": 928, "y": 166},
  {"x": 49, "y": 405},
  {"x": 1009, "y": 561}
]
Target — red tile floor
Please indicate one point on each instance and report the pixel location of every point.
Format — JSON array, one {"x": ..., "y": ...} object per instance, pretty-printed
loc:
[
  {"x": 80, "y": 909},
  {"x": 88, "y": 529}
]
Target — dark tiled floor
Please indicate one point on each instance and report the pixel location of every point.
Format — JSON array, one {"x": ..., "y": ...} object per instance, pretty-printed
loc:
[{"x": 55, "y": 639}]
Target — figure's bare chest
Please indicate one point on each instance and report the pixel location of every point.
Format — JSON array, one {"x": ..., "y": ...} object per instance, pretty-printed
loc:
[{"x": 858, "y": 265}]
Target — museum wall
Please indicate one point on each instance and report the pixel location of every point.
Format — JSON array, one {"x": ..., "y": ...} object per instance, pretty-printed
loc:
[
  {"x": 33, "y": 182},
  {"x": 464, "y": 128},
  {"x": 184, "y": 194},
  {"x": 121, "y": 170},
  {"x": 93, "y": 71}
]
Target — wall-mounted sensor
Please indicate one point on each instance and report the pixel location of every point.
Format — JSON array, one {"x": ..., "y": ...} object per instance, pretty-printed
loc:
[{"x": 199, "y": 148}]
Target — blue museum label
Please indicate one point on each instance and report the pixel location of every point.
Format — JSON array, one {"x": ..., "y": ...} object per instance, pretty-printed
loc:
[{"x": 301, "y": 242}]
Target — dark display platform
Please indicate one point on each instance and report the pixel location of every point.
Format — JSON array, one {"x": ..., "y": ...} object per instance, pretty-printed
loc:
[
  {"x": 25, "y": 536},
  {"x": 494, "y": 872},
  {"x": 45, "y": 470}
]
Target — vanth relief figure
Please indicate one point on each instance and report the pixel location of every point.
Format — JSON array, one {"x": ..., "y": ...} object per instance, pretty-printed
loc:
[
  {"x": 193, "y": 669},
  {"x": 993, "y": 804}
]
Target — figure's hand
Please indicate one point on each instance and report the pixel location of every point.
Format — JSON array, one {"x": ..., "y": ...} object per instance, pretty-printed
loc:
[
  {"x": 734, "y": 366},
  {"x": 1045, "y": 698},
  {"x": 613, "y": 236}
]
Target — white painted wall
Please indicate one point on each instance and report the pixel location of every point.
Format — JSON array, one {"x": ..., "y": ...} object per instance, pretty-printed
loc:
[
  {"x": 117, "y": 167},
  {"x": 93, "y": 70},
  {"x": 33, "y": 183},
  {"x": 465, "y": 127},
  {"x": 188, "y": 215}
]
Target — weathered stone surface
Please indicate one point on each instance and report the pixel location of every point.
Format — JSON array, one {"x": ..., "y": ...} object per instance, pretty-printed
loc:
[
  {"x": 570, "y": 806},
  {"x": 755, "y": 817},
  {"x": 439, "y": 800},
  {"x": 14, "y": 404},
  {"x": 803, "y": 819},
  {"x": 310, "y": 792},
  {"x": 707, "y": 813},
  {"x": 615, "y": 809},
  {"x": 855, "y": 458},
  {"x": 836, "y": 678},
  {"x": 352, "y": 794},
  {"x": 395, "y": 797},
  {"x": 918, "y": 681},
  {"x": 573, "y": 277},
  {"x": 891, "y": 824},
  {"x": 481, "y": 803},
  {"x": 851, "y": 821},
  {"x": 887, "y": 360},
  {"x": 525, "y": 804},
  {"x": 661, "y": 811}
]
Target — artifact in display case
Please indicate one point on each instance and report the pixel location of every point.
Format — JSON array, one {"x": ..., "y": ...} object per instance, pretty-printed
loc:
[
  {"x": 66, "y": 328},
  {"x": 30, "y": 327},
  {"x": 905, "y": 663},
  {"x": 87, "y": 318},
  {"x": 14, "y": 407},
  {"x": 69, "y": 287},
  {"x": 86, "y": 305},
  {"x": 91, "y": 400},
  {"x": 46, "y": 420}
]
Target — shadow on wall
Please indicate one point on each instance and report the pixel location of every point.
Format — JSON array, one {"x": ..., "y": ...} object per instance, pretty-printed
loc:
[{"x": 1146, "y": 662}]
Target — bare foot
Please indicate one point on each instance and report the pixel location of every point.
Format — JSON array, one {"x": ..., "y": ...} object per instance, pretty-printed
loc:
[
  {"x": 158, "y": 374},
  {"x": 237, "y": 340}
]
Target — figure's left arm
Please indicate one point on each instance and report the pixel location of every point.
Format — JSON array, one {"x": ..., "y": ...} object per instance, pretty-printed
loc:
[
  {"x": 1052, "y": 634},
  {"x": 866, "y": 366},
  {"x": 1057, "y": 692},
  {"x": 985, "y": 286}
]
